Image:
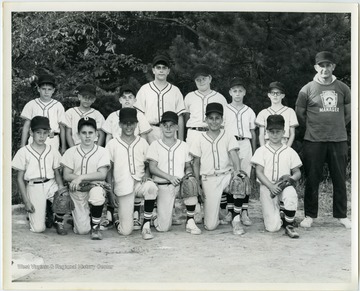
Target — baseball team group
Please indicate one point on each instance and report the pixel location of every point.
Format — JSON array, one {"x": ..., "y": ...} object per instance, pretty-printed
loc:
[{"x": 138, "y": 159}]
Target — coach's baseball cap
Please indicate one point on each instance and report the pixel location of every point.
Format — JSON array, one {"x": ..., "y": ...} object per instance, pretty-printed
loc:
[
  {"x": 214, "y": 107},
  {"x": 128, "y": 115},
  {"x": 275, "y": 122},
  {"x": 127, "y": 88},
  {"x": 202, "y": 70},
  {"x": 87, "y": 90},
  {"x": 170, "y": 116},
  {"x": 277, "y": 85},
  {"x": 40, "y": 122},
  {"x": 161, "y": 59},
  {"x": 46, "y": 79},
  {"x": 86, "y": 121},
  {"x": 236, "y": 82},
  {"x": 324, "y": 56}
]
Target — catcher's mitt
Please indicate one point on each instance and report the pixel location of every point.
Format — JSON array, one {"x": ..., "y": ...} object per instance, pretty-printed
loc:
[
  {"x": 189, "y": 187},
  {"x": 62, "y": 201},
  {"x": 240, "y": 184},
  {"x": 87, "y": 186},
  {"x": 283, "y": 182}
]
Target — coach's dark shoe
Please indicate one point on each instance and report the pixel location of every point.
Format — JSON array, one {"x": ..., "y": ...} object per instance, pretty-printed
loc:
[
  {"x": 49, "y": 218},
  {"x": 95, "y": 233},
  {"x": 291, "y": 232},
  {"x": 60, "y": 228}
]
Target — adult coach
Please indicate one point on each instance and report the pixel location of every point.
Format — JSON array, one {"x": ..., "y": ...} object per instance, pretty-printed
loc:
[{"x": 323, "y": 106}]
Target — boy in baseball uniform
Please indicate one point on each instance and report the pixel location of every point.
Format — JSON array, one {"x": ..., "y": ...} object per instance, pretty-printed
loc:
[
  {"x": 273, "y": 160},
  {"x": 130, "y": 175},
  {"x": 240, "y": 122},
  {"x": 169, "y": 162},
  {"x": 86, "y": 162},
  {"x": 47, "y": 107},
  {"x": 159, "y": 96},
  {"x": 112, "y": 129},
  {"x": 38, "y": 176},
  {"x": 86, "y": 96},
  {"x": 216, "y": 160},
  {"x": 276, "y": 93}
]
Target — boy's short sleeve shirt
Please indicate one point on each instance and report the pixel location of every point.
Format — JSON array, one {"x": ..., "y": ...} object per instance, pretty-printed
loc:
[
  {"x": 195, "y": 104},
  {"x": 53, "y": 110},
  {"x": 72, "y": 117},
  {"x": 214, "y": 154},
  {"x": 153, "y": 102},
  {"x": 276, "y": 163},
  {"x": 239, "y": 122},
  {"x": 170, "y": 160},
  {"x": 288, "y": 114},
  {"x": 81, "y": 162},
  {"x": 35, "y": 165}
]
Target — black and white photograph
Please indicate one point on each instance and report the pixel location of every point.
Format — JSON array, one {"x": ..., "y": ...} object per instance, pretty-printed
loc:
[{"x": 180, "y": 146}]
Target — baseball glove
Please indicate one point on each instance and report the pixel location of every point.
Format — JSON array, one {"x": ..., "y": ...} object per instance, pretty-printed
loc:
[
  {"x": 87, "y": 186},
  {"x": 240, "y": 184},
  {"x": 62, "y": 201},
  {"x": 189, "y": 187},
  {"x": 283, "y": 182}
]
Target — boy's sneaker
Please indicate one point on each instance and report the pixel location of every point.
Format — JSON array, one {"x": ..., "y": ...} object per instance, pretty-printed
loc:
[
  {"x": 245, "y": 219},
  {"x": 137, "y": 224},
  {"x": 106, "y": 224},
  {"x": 291, "y": 232},
  {"x": 60, "y": 228},
  {"x": 307, "y": 222},
  {"x": 146, "y": 232},
  {"x": 237, "y": 228},
  {"x": 345, "y": 222},
  {"x": 226, "y": 219},
  {"x": 95, "y": 233},
  {"x": 191, "y": 227}
]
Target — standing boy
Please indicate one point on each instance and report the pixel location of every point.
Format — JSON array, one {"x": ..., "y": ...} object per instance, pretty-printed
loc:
[
  {"x": 272, "y": 161},
  {"x": 276, "y": 93},
  {"x": 47, "y": 107},
  {"x": 169, "y": 162},
  {"x": 215, "y": 158},
  {"x": 240, "y": 122},
  {"x": 130, "y": 175},
  {"x": 159, "y": 96},
  {"x": 86, "y": 162},
  {"x": 87, "y": 96},
  {"x": 39, "y": 177}
]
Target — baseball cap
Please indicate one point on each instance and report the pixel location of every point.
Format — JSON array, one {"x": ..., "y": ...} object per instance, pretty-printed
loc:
[
  {"x": 201, "y": 70},
  {"x": 86, "y": 121},
  {"x": 170, "y": 116},
  {"x": 128, "y": 115},
  {"x": 214, "y": 107},
  {"x": 275, "y": 122},
  {"x": 46, "y": 79},
  {"x": 87, "y": 90},
  {"x": 127, "y": 88},
  {"x": 161, "y": 59},
  {"x": 277, "y": 85},
  {"x": 236, "y": 82},
  {"x": 40, "y": 122},
  {"x": 324, "y": 56}
]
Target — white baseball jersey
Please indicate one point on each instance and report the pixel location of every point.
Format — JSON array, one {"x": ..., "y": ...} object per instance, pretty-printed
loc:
[
  {"x": 73, "y": 115},
  {"x": 195, "y": 104},
  {"x": 81, "y": 162},
  {"x": 53, "y": 110},
  {"x": 288, "y": 114},
  {"x": 170, "y": 160},
  {"x": 239, "y": 122},
  {"x": 37, "y": 165},
  {"x": 214, "y": 154},
  {"x": 129, "y": 163},
  {"x": 276, "y": 163},
  {"x": 111, "y": 124},
  {"x": 154, "y": 102}
]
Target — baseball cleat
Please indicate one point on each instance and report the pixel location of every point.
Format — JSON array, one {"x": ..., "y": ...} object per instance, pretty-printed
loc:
[
  {"x": 106, "y": 224},
  {"x": 291, "y": 232},
  {"x": 345, "y": 222},
  {"x": 307, "y": 222},
  {"x": 146, "y": 232},
  {"x": 245, "y": 219},
  {"x": 95, "y": 233},
  {"x": 227, "y": 219},
  {"x": 137, "y": 224},
  {"x": 237, "y": 228},
  {"x": 60, "y": 228},
  {"x": 191, "y": 227}
]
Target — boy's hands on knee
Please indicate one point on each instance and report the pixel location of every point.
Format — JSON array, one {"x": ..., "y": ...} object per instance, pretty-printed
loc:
[{"x": 29, "y": 207}]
